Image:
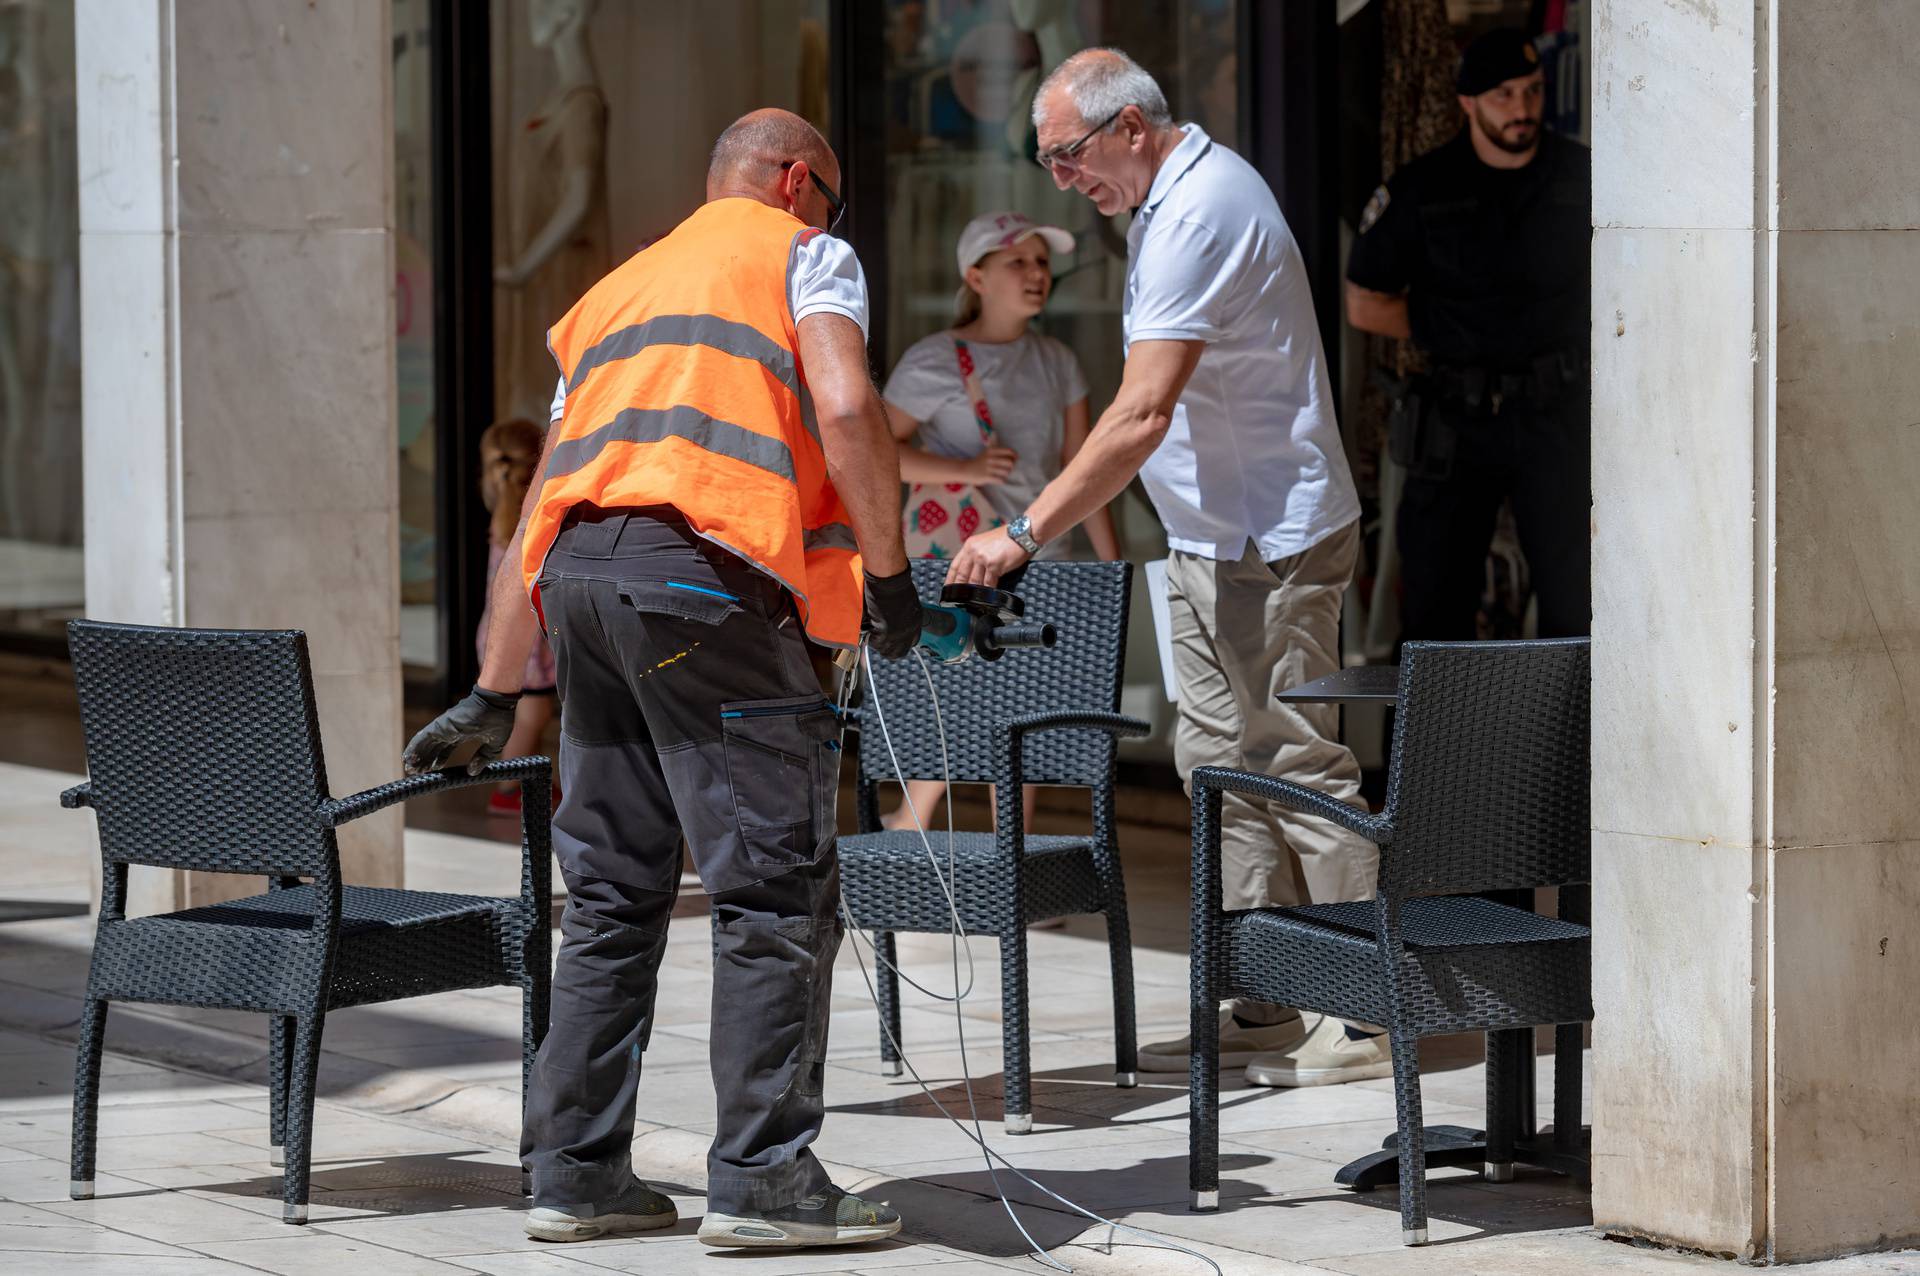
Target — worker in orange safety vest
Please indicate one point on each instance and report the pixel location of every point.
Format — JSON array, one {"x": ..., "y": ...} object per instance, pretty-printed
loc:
[{"x": 719, "y": 485}]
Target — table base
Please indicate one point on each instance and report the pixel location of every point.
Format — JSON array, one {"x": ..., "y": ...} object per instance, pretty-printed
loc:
[{"x": 1455, "y": 1145}]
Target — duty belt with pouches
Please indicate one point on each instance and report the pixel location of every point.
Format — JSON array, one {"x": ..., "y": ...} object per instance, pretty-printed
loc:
[{"x": 1538, "y": 385}]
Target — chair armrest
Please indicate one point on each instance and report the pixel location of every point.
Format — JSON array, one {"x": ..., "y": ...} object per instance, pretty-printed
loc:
[
  {"x": 76, "y": 797},
  {"x": 334, "y": 813},
  {"x": 1009, "y": 740},
  {"x": 1114, "y": 724},
  {"x": 1295, "y": 797},
  {"x": 1010, "y": 736}
]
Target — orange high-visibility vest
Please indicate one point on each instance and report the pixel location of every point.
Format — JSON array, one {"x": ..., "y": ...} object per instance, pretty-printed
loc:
[{"x": 684, "y": 388}]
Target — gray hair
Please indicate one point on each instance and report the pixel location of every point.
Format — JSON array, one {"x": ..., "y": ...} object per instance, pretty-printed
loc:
[{"x": 1101, "y": 82}]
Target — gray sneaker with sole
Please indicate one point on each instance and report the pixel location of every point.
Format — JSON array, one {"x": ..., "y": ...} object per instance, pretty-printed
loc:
[
  {"x": 638, "y": 1209},
  {"x": 829, "y": 1217}
]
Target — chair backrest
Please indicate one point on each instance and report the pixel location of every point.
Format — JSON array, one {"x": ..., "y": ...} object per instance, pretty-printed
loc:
[
  {"x": 1488, "y": 786},
  {"x": 1087, "y": 602},
  {"x": 203, "y": 748}
]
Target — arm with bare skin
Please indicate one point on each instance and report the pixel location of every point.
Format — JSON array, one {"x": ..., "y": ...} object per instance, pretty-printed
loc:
[
  {"x": 485, "y": 718},
  {"x": 1378, "y": 312},
  {"x": 861, "y": 458},
  {"x": 1127, "y": 434},
  {"x": 917, "y": 465},
  {"x": 1100, "y": 527}
]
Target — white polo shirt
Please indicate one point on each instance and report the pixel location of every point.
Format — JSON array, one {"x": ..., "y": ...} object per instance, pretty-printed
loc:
[{"x": 1254, "y": 451}]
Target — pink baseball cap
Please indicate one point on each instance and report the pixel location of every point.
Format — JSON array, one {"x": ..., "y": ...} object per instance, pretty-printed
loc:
[{"x": 990, "y": 232}]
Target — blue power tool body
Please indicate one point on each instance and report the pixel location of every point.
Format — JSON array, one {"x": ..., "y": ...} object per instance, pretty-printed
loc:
[{"x": 973, "y": 620}]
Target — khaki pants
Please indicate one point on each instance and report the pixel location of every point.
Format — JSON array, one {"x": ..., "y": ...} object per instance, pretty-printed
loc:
[{"x": 1243, "y": 632}]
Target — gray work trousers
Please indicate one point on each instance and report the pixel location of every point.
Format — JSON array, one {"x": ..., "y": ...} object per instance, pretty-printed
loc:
[{"x": 688, "y": 707}]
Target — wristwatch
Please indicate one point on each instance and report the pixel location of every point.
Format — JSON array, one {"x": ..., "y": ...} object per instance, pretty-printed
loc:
[{"x": 1021, "y": 531}]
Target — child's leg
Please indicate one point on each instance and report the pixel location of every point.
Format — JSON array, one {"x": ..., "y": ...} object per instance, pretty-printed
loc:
[
  {"x": 926, "y": 795},
  {"x": 1029, "y": 802}
]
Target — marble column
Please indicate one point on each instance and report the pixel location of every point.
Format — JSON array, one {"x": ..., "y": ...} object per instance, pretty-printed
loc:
[
  {"x": 238, "y": 369},
  {"x": 1756, "y": 340}
]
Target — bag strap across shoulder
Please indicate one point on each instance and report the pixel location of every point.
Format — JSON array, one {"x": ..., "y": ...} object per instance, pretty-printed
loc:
[{"x": 970, "y": 377}]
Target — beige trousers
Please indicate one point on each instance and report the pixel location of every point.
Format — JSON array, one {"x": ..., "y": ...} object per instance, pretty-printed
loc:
[{"x": 1243, "y": 632}]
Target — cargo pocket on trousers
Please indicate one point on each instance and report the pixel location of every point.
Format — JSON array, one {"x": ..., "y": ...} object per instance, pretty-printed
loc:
[
  {"x": 679, "y": 598},
  {"x": 783, "y": 767}
]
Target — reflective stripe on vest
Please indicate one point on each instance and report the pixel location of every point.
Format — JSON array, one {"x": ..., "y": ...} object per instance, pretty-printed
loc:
[{"x": 683, "y": 388}]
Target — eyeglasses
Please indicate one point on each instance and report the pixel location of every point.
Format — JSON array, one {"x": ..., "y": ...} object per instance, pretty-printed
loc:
[
  {"x": 836, "y": 207},
  {"x": 1069, "y": 155}
]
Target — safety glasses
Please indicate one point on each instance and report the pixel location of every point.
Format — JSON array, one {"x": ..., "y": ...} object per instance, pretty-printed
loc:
[
  {"x": 1068, "y": 157},
  {"x": 836, "y": 207}
]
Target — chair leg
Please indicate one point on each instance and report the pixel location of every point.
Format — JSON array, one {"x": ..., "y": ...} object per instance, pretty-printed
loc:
[
  {"x": 1506, "y": 1055},
  {"x": 1126, "y": 1047},
  {"x": 1413, "y": 1140},
  {"x": 1017, "y": 1107},
  {"x": 1567, "y": 1067},
  {"x": 887, "y": 983},
  {"x": 1203, "y": 1097},
  {"x": 303, "y": 1072},
  {"x": 279, "y": 1056},
  {"x": 86, "y": 1097}
]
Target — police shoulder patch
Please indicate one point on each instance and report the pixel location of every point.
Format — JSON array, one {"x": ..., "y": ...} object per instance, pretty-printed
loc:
[{"x": 1375, "y": 206}]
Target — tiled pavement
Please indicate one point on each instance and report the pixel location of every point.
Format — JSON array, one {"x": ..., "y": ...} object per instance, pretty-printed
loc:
[{"x": 415, "y": 1171}]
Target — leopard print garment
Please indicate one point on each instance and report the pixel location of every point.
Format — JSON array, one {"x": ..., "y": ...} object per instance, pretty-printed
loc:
[{"x": 1418, "y": 111}]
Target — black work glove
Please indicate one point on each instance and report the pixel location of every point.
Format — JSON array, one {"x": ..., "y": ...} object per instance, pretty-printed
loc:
[
  {"x": 893, "y": 614},
  {"x": 470, "y": 735}
]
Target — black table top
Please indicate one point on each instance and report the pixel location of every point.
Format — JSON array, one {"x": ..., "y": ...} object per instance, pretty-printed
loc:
[{"x": 1362, "y": 684}]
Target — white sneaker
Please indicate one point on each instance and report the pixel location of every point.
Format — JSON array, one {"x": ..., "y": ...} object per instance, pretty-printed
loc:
[
  {"x": 1238, "y": 1045},
  {"x": 1327, "y": 1056}
]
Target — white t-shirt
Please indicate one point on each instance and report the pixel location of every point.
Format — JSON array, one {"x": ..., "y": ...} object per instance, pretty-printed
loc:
[
  {"x": 1254, "y": 451},
  {"x": 823, "y": 277},
  {"x": 1029, "y": 384}
]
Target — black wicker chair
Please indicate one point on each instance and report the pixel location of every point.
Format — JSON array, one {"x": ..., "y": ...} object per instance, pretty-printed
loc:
[
  {"x": 1487, "y": 791},
  {"x": 203, "y": 752},
  {"x": 1038, "y": 717}
]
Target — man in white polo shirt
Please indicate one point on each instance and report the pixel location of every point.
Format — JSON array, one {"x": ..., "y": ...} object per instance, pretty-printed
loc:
[{"x": 1226, "y": 413}]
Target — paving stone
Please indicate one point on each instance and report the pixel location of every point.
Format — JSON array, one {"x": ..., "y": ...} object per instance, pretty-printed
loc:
[
  {"x": 306, "y": 1252},
  {"x": 174, "y": 1263},
  {"x": 173, "y": 1217},
  {"x": 40, "y": 1179}
]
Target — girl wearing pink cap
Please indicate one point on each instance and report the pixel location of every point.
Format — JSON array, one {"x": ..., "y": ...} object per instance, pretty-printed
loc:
[{"x": 990, "y": 404}]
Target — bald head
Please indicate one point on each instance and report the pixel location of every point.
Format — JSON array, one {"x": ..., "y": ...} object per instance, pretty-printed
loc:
[{"x": 747, "y": 158}]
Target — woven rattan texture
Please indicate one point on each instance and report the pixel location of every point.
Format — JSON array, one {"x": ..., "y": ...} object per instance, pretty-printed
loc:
[
  {"x": 1281, "y": 956},
  {"x": 1488, "y": 785},
  {"x": 203, "y": 751},
  {"x": 203, "y": 754},
  {"x": 252, "y": 953},
  {"x": 1048, "y": 716},
  {"x": 1487, "y": 791},
  {"x": 1087, "y": 603},
  {"x": 1466, "y": 921},
  {"x": 888, "y": 875}
]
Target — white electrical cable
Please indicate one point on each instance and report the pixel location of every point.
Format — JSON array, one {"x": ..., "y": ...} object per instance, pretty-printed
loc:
[{"x": 961, "y": 940}]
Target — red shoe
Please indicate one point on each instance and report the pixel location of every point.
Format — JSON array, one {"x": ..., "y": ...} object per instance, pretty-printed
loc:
[{"x": 507, "y": 802}]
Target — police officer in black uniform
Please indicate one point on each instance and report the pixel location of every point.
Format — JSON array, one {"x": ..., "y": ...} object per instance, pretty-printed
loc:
[{"x": 1478, "y": 251}]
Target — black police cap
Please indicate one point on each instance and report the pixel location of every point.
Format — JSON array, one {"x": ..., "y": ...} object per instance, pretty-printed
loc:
[{"x": 1503, "y": 54}]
